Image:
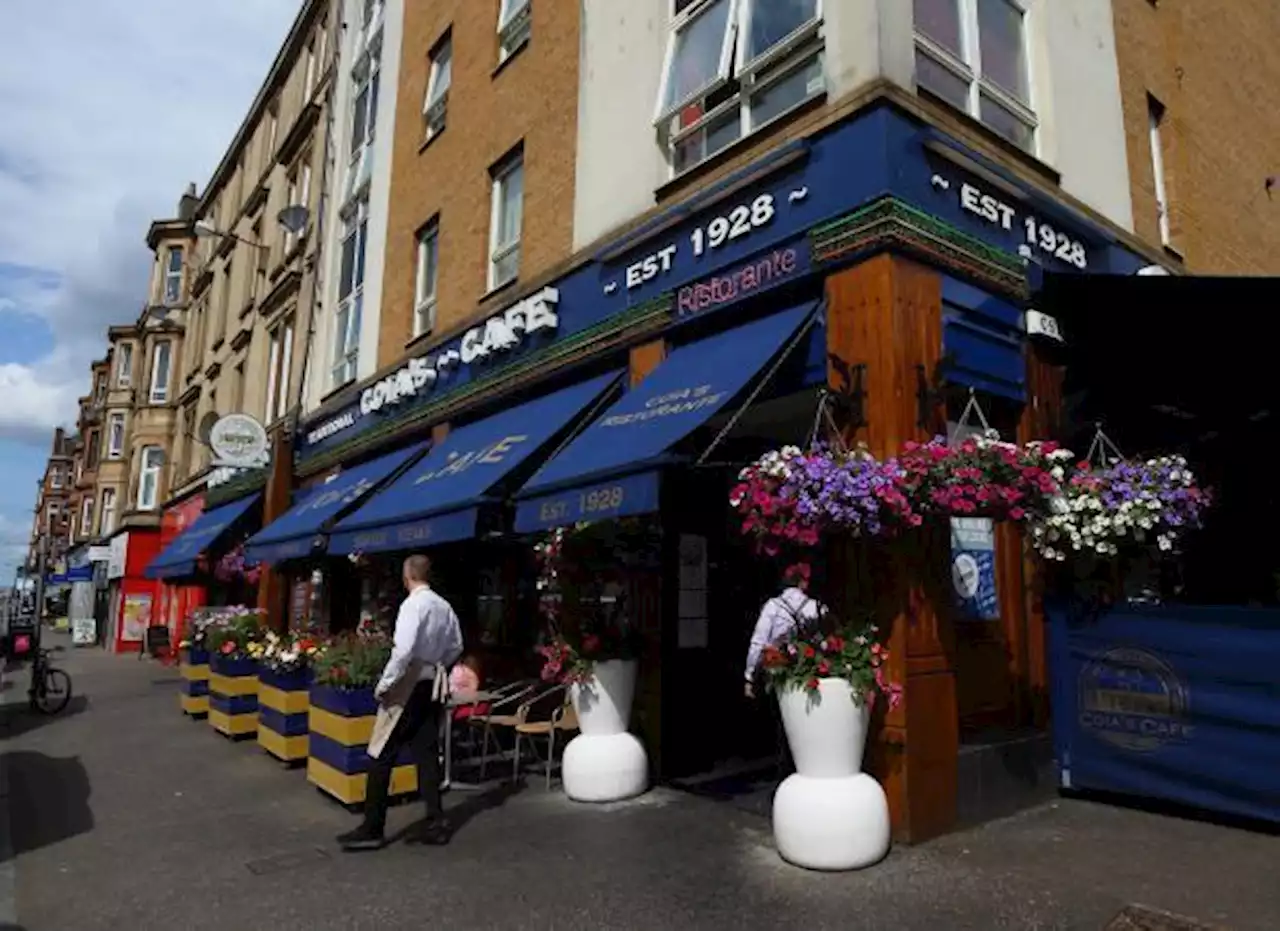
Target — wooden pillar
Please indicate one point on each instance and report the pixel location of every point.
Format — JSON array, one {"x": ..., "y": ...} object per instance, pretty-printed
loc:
[
  {"x": 886, "y": 314},
  {"x": 273, "y": 586},
  {"x": 1041, "y": 420}
]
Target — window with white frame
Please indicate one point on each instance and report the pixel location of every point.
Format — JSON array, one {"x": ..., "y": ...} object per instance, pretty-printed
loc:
[
  {"x": 99, "y": 389},
  {"x": 424, "y": 300},
  {"x": 299, "y": 194},
  {"x": 149, "y": 478},
  {"x": 173, "y": 275},
  {"x": 1155, "y": 125},
  {"x": 107, "y": 512},
  {"x": 441, "y": 76},
  {"x": 364, "y": 109},
  {"x": 124, "y": 365},
  {"x": 161, "y": 359},
  {"x": 86, "y": 516},
  {"x": 279, "y": 366},
  {"x": 732, "y": 67},
  {"x": 71, "y": 527},
  {"x": 311, "y": 70},
  {"x": 505, "y": 220},
  {"x": 115, "y": 435},
  {"x": 346, "y": 333},
  {"x": 370, "y": 14},
  {"x": 973, "y": 55},
  {"x": 515, "y": 21}
]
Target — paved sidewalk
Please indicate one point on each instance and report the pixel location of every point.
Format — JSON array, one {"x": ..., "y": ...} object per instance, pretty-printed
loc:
[{"x": 126, "y": 815}]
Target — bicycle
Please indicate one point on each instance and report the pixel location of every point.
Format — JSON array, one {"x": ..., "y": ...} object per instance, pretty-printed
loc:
[{"x": 50, "y": 687}]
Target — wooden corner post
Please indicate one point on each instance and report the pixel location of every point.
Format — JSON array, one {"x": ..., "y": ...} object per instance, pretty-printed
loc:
[
  {"x": 886, "y": 314},
  {"x": 273, "y": 589}
]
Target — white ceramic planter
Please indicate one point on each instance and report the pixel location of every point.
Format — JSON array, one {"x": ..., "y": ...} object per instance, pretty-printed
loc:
[
  {"x": 605, "y": 762},
  {"x": 829, "y": 815}
]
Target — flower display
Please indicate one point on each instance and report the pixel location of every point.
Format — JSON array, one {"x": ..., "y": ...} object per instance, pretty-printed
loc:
[
  {"x": 234, "y": 632},
  {"x": 583, "y": 558},
  {"x": 815, "y": 652},
  {"x": 788, "y": 497},
  {"x": 285, "y": 653},
  {"x": 352, "y": 661},
  {"x": 233, "y": 566},
  {"x": 983, "y": 476},
  {"x": 1125, "y": 503}
]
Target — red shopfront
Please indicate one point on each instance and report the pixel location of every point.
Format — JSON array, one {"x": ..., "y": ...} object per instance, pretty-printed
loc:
[
  {"x": 177, "y": 601},
  {"x": 134, "y": 599}
]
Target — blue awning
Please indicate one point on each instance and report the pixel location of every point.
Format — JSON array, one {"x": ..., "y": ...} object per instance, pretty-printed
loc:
[
  {"x": 632, "y": 438},
  {"x": 293, "y": 535},
  {"x": 438, "y": 500},
  {"x": 179, "y": 558}
]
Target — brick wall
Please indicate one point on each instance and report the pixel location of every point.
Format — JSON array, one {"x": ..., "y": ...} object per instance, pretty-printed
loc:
[
  {"x": 532, "y": 99},
  {"x": 1215, "y": 68}
]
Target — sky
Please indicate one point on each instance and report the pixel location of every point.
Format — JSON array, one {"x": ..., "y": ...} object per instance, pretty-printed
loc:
[{"x": 108, "y": 108}]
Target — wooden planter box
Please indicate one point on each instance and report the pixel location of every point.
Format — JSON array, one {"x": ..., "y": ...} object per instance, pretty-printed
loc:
[
  {"x": 193, "y": 665},
  {"x": 233, "y": 696},
  {"x": 340, "y": 723},
  {"x": 283, "y": 704}
]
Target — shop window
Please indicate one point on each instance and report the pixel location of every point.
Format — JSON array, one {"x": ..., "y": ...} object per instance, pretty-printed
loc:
[
  {"x": 115, "y": 436},
  {"x": 506, "y": 220},
  {"x": 149, "y": 478},
  {"x": 424, "y": 317},
  {"x": 973, "y": 55},
  {"x": 733, "y": 67},
  {"x": 515, "y": 21},
  {"x": 437, "y": 97},
  {"x": 173, "y": 275},
  {"x": 161, "y": 356}
]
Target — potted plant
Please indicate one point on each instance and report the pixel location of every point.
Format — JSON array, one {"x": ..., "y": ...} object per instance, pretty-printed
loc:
[
  {"x": 827, "y": 673},
  {"x": 341, "y": 713},
  {"x": 284, "y": 679},
  {"x": 233, "y": 637},
  {"x": 596, "y": 654},
  {"x": 193, "y": 665}
]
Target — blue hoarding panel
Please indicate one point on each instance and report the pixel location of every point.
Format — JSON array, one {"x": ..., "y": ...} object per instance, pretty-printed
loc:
[{"x": 1174, "y": 703}]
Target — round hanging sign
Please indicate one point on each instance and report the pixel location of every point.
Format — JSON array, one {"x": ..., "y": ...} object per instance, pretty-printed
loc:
[{"x": 238, "y": 440}]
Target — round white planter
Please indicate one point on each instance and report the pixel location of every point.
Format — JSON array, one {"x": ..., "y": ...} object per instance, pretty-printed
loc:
[
  {"x": 605, "y": 762},
  {"x": 829, "y": 815}
]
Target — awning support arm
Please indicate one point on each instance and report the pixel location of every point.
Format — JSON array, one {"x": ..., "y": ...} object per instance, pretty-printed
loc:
[{"x": 764, "y": 380}]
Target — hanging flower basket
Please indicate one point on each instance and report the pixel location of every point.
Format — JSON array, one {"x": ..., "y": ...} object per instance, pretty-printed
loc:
[
  {"x": 983, "y": 476},
  {"x": 788, "y": 497},
  {"x": 234, "y": 567},
  {"x": 1122, "y": 505}
]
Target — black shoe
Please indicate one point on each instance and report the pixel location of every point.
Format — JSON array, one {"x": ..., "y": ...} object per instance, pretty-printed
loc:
[
  {"x": 435, "y": 832},
  {"x": 364, "y": 837}
]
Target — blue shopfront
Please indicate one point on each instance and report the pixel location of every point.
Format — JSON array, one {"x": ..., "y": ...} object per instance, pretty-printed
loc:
[{"x": 877, "y": 262}]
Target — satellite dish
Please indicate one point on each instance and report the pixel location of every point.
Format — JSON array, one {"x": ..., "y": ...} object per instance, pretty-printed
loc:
[
  {"x": 294, "y": 218},
  {"x": 206, "y": 427}
]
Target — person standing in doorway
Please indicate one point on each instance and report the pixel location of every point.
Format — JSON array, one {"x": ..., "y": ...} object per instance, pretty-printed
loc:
[
  {"x": 428, "y": 638},
  {"x": 779, "y": 617}
]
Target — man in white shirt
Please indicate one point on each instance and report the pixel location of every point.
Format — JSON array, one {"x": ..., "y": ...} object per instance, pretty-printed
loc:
[
  {"x": 778, "y": 618},
  {"x": 428, "y": 637}
]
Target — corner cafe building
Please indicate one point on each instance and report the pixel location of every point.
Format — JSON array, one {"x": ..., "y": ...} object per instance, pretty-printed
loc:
[{"x": 879, "y": 259}]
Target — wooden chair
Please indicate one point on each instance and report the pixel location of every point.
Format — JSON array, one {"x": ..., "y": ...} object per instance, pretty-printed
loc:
[
  {"x": 563, "y": 720},
  {"x": 504, "y": 713}
]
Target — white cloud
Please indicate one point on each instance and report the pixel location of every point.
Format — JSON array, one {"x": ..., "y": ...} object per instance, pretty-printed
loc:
[
  {"x": 110, "y": 108},
  {"x": 15, "y": 534}
]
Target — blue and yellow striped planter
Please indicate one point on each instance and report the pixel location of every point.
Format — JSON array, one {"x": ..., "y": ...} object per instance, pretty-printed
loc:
[
  {"x": 233, "y": 696},
  {"x": 283, "y": 705},
  {"x": 340, "y": 724},
  {"x": 194, "y": 688}
]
